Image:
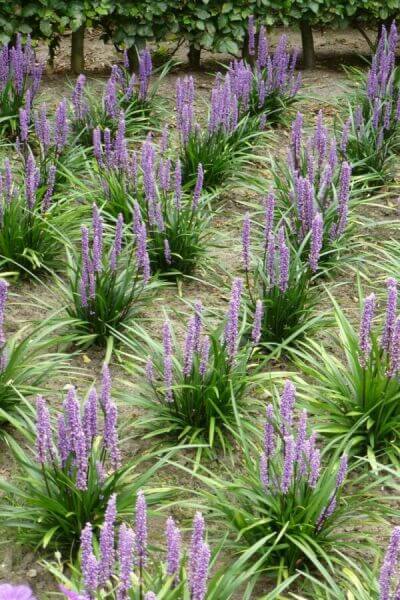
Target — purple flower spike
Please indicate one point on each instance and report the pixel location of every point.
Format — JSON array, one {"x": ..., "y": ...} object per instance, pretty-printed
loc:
[
  {"x": 43, "y": 431},
  {"x": 232, "y": 325},
  {"x": 3, "y": 300},
  {"x": 390, "y": 565},
  {"x": 117, "y": 246},
  {"x": 15, "y": 592},
  {"x": 258, "y": 315},
  {"x": 142, "y": 255},
  {"x": 204, "y": 355},
  {"x": 297, "y": 137},
  {"x": 251, "y": 35},
  {"x": 269, "y": 432},
  {"x": 301, "y": 434},
  {"x": 246, "y": 242},
  {"x": 198, "y": 187},
  {"x": 268, "y": 217},
  {"x": 46, "y": 202},
  {"x": 342, "y": 471},
  {"x": 317, "y": 232},
  {"x": 315, "y": 467},
  {"x": 365, "y": 329},
  {"x": 173, "y": 537},
  {"x": 264, "y": 474},
  {"x": 107, "y": 541},
  {"x": 199, "y": 582},
  {"x": 126, "y": 542},
  {"x": 394, "y": 351},
  {"x": 81, "y": 459},
  {"x": 23, "y": 124},
  {"x": 284, "y": 259},
  {"x": 287, "y": 401},
  {"x": 391, "y": 308},
  {"x": 141, "y": 529},
  {"x": 288, "y": 463},
  {"x": 198, "y": 530}
]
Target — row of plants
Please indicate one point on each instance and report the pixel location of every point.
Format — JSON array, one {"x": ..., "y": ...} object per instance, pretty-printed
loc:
[{"x": 114, "y": 226}]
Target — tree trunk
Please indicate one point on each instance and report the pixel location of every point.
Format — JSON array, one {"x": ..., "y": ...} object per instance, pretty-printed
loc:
[
  {"x": 134, "y": 55},
  {"x": 77, "y": 50},
  {"x": 307, "y": 40},
  {"x": 194, "y": 55}
]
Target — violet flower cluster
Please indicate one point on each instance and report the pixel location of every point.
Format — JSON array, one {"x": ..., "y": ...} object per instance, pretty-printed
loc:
[
  {"x": 36, "y": 199},
  {"x": 389, "y": 585},
  {"x": 271, "y": 75},
  {"x": 224, "y": 108},
  {"x": 123, "y": 558},
  {"x": 15, "y": 592},
  {"x": 72, "y": 448},
  {"x": 3, "y": 302},
  {"x": 121, "y": 90},
  {"x": 290, "y": 456},
  {"x": 380, "y": 84},
  {"x": 95, "y": 262},
  {"x": 389, "y": 346},
  {"x": 197, "y": 346},
  {"x": 320, "y": 181},
  {"x": 150, "y": 180},
  {"x": 276, "y": 253},
  {"x": 20, "y": 74},
  {"x": 383, "y": 121},
  {"x": 51, "y": 135}
]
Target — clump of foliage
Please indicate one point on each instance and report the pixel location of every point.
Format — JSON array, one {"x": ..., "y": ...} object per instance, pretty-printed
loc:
[
  {"x": 267, "y": 87},
  {"x": 188, "y": 392},
  {"x": 288, "y": 498},
  {"x": 225, "y": 146},
  {"x": 34, "y": 229},
  {"x": 126, "y": 93},
  {"x": 280, "y": 283},
  {"x": 108, "y": 284},
  {"x": 148, "y": 194},
  {"x": 20, "y": 78},
  {"x": 70, "y": 472},
  {"x": 357, "y": 391}
]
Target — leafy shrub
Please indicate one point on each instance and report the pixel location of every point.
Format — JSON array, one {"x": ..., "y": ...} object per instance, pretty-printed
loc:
[
  {"x": 33, "y": 228},
  {"x": 67, "y": 479},
  {"x": 144, "y": 192},
  {"x": 125, "y": 93},
  {"x": 370, "y": 135},
  {"x": 189, "y": 393},
  {"x": 19, "y": 82},
  {"x": 270, "y": 87},
  {"x": 380, "y": 82},
  {"x": 369, "y": 144},
  {"x": 314, "y": 185},
  {"x": 51, "y": 142},
  {"x": 226, "y": 146},
  {"x": 281, "y": 295},
  {"x": 107, "y": 285},
  {"x": 25, "y": 362},
  {"x": 287, "y": 502},
  {"x": 357, "y": 389},
  {"x": 122, "y": 567}
]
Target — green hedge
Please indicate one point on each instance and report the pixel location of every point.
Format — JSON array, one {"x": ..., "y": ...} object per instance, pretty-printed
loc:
[{"x": 210, "y": 24}]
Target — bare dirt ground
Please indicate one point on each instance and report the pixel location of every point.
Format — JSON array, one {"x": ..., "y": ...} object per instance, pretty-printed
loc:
[{"x": 322, "y": 88}]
